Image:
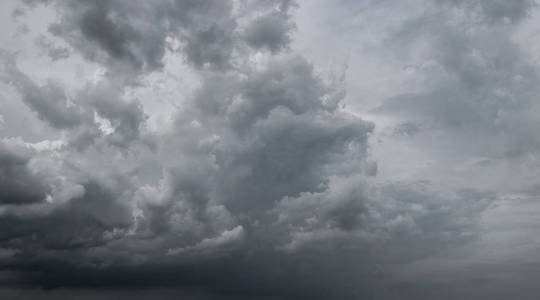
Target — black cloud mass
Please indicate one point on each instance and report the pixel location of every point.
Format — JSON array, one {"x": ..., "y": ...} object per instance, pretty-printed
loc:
[{"x": 200, "y": 149}]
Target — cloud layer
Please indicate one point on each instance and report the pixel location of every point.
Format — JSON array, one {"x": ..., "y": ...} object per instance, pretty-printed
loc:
[{"x": 192, "y": 148}]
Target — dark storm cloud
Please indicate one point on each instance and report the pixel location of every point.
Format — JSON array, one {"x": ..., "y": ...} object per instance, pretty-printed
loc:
[
  {"x": 277, "y": 133},
  {"x": 245, "y": 145},
  {"x": 18, "y": 185},
  {"x": 79, "y": 224},
  {"x": 246, "y": 140},
  {"x": 262, "y": 184},
  {"x": 44, "y": 212},
  {"x": 135, "y": 34},
  {"x": 103, "y": 31}
]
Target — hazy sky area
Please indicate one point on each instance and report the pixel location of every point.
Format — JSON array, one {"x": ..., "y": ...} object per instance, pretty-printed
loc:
[{"x": 270, "y": 149}]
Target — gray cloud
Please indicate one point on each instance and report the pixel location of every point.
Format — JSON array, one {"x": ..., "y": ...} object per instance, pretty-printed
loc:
[
  {"x": 476, "y": 83},
  {"x": 89, "y": 218},
  {"x": 49, "y": 101},
  {"x": 18, "y": 184},
  {"x": 261, "y": 181},
  {"x": 269, "y": 31},
  {"x": 246, "y": 139},
  {"x": 135, "y": 35},
  {"x": 55, "y": 52},
  {"x": 494, "y": 11}
]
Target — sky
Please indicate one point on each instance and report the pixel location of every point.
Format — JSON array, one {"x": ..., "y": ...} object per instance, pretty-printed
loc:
[{"x": 269, "y": 149}]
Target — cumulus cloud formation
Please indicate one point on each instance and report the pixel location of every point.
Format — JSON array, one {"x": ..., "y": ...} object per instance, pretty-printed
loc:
[{"x": 211, "y": 150}]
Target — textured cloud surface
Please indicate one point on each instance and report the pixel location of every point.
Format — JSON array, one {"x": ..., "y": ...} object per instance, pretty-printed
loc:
[{"x": 269, "y": 149}]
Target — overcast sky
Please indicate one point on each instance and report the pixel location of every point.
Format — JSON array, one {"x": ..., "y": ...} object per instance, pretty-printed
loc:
[{"x": 269, "y": 149}]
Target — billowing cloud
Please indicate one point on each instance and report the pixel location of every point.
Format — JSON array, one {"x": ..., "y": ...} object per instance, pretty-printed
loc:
[{"x": 191, "y": 147}]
